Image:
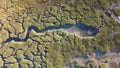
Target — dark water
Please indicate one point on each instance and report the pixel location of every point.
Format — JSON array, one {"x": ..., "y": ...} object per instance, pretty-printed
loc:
[{"x": 82, "y": 29}]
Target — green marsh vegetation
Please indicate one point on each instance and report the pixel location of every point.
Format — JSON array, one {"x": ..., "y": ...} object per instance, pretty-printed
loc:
[
  {"x": 52, "y": 49},
  {"x": 117, "y": 41},
  {"x": 117, "y": 11}
]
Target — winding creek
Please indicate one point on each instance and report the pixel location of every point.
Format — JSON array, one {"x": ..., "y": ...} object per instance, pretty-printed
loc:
[{"x": 78, "y": 28}]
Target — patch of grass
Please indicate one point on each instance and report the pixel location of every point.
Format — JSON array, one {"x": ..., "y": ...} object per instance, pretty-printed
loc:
[
  {"x": 10, "y": 60},
  {"x": 3, "y": 35},
  {"x": 8, "y": 53},
  {"x": 25, "y": 63},
  {"x": 103, "y": 66},
  {"x": 15, "y": 65},
  {"x": 117, "y": 11},
  {"x": 117, "y": 40},
  {"x": 92, "y": 63}
]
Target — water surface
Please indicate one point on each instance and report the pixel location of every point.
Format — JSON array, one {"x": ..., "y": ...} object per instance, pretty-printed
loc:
[{"x": 77, "y": 28}]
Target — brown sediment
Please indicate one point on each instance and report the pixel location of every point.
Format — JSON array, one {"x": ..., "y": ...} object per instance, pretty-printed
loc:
[{"x": 114, "y": 65}]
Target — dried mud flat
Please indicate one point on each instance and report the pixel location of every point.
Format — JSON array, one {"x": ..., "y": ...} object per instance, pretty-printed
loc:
[{"x": 112, "y": 60}]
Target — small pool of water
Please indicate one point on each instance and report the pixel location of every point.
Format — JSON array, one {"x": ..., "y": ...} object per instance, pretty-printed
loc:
[{"x": 83, "y": 30}]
